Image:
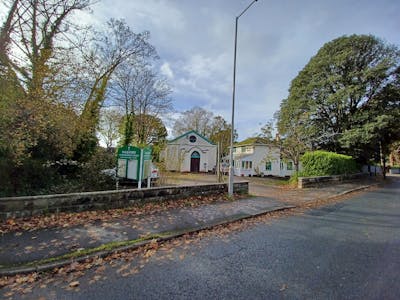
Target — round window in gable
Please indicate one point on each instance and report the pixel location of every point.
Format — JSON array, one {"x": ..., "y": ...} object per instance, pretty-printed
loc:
[{"x": 192, "y": 139}]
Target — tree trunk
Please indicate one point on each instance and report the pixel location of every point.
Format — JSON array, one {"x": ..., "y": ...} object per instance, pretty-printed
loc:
[
  {"x": 218, "y": 167},
  {"x": 383, "y": 160},
  {"x": 128, "y": 131},
  {"x": 5, "y": 34}
]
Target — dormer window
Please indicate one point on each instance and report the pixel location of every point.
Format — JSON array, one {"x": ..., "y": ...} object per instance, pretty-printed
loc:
[
  {"x": 192, "y": 139},
  {"x": 249, "y": 149}
]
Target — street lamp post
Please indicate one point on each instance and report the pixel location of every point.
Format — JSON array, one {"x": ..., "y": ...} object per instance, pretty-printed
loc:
[{"x": 231, "y": 162}]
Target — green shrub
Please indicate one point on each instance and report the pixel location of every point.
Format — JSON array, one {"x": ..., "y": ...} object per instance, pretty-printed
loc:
[
  {"x": 294, "y": 179},
  {"x": 324, "y": 163},
  {"x": 38, "y": 177}
]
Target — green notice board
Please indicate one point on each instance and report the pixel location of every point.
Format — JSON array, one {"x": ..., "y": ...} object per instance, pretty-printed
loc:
[
  {"x": 134, "y": 163},
  {"x": 129, "y": 162},
  {"x": 146, "y": 163}
]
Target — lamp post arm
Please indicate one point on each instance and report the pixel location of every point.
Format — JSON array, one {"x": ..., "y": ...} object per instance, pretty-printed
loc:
[{"x": 246, "y": 9}]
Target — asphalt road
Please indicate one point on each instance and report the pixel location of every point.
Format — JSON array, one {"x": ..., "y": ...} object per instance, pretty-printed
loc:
[{"x": 350, "y": 250}]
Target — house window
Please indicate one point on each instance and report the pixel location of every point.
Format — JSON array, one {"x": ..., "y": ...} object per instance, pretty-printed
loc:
[
  {"x": 247, "y": 164},
  {"x": 289, "y": 166},
  {"x": 282, "y": 165},
  {"x": 249, "y": 149},
  {"x": 243, "y": 149},
  {"x": 268, "y": 166}
]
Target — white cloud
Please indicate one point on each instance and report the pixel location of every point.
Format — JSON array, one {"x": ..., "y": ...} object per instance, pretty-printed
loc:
[
  {"x": 166, "y": 70},
  {"x": 198, "y": 66},
  {"x": 142, "y": 15}
]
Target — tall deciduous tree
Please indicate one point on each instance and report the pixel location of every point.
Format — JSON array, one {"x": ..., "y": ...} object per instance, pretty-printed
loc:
[
  {"x": 197, "y": 118},
  {"x": 221, "y": 134},
  {"x": 35, "y": 126},
  {"x": 294, "y": 130},
  {"x": 147, "y": 130},
  {"x": 110, "y": 123},
  {"x": 29, "y": 46},
  {"x": 144, "y": 97},
  {"x": 116, "y": 46},
  {"x": 46, "y": 62},
  {"x": 267, "y": 131}
]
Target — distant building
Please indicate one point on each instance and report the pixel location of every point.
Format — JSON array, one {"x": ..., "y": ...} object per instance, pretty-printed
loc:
[
  {"x": 190, "y": 152},
  {"x": 256, "y": 157}
]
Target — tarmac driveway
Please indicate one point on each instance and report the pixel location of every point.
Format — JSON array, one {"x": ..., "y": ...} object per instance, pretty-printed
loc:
[
  {"x": 276, "y": 188},
  {"x": 257, "y": 186}
]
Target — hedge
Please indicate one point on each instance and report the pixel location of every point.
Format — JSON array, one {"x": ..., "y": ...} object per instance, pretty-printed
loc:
[{"x": 324, "y": 163}]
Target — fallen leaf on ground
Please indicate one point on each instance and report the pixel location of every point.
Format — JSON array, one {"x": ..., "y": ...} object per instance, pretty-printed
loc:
[
  {"x": 74, "y": 283},
  {"x": 63, "y": 220}
]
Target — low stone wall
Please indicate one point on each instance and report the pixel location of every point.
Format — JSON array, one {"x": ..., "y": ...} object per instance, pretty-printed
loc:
[
  {"x": 34, "y": 205},
  {"x": 394, "y": 171},
  {"x": 305, "y": 182}
]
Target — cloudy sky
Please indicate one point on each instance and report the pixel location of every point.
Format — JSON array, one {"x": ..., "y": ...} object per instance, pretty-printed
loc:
[{"x": 195, "y": 38}]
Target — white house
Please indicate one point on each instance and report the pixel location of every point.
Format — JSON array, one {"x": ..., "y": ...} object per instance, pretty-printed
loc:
[
  {"x": 254, "y": 157},
  {"x": 190, "y": 152}
]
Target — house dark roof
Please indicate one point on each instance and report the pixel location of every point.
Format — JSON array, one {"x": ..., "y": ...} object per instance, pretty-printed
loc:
[{"x": 253, "y": 141}]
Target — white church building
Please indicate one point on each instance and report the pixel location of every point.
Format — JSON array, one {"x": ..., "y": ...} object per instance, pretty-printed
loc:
[{"x": 190, "y": 152}]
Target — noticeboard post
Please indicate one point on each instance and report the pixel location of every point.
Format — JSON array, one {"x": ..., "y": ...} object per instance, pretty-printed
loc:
[
  {"x": 145, "y": 166},
  {"x": 134, "y": 163}
]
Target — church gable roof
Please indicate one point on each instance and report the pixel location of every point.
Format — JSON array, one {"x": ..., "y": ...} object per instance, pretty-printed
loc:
[{"x": 189, "y": 133}]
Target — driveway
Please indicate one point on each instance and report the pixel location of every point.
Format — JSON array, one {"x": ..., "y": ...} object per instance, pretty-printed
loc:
[
  {"x": 276, "y": 188},
  {"x": 258, "y": 186}
]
